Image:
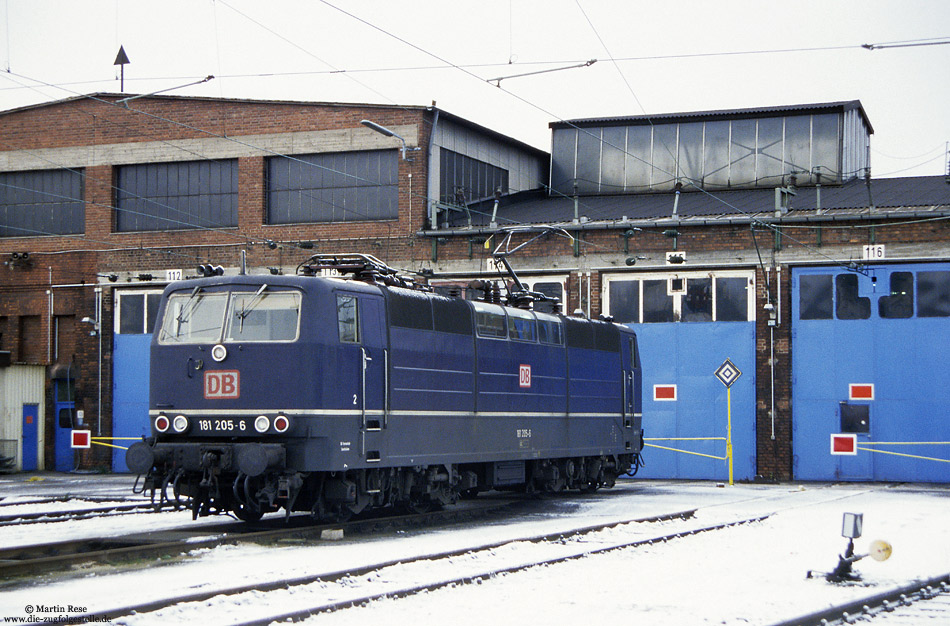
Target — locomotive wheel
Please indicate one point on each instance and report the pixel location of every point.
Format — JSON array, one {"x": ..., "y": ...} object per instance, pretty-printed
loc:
[
  {"x": 341, "y": 513},
  {"x": 246, "y": 513}
]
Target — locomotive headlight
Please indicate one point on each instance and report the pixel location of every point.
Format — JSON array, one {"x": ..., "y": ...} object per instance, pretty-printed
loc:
[
  {"x": 162, "y": 423},
  {"x": 180, "y": 424},
  {"x": 281, "y": 423},
  {"x": 219, "y": 353},
  {"x": 262, "y": 424}
]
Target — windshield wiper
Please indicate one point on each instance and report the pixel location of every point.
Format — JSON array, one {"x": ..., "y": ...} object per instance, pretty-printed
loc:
[
  {"x": 248, "y": 307},
  {"x": 189, "y": 306}
]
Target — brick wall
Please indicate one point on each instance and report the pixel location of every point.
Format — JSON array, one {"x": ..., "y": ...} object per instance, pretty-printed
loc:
[{"x": 98, "y": 135}]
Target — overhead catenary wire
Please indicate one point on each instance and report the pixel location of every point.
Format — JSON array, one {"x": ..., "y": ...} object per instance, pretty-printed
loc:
[
  {"x": 615, "y": 60},
  {"x": 493, "y": 65},
  {"x": 699, "y": 188}
]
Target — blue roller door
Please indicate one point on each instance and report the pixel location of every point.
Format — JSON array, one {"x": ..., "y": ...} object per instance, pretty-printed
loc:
[
  {"x": 687, "y": 355},
  {"x": 870, "y": 359},
  {"x": 688, "y": 323}
]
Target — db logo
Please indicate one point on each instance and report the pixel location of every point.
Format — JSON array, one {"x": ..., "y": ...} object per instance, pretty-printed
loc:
[
  {"x": 222, "y": 384},
  {"x": 524, "y": 375}
]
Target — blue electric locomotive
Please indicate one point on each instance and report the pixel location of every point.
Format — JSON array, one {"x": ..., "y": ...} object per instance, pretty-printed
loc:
[{"x": 332, "y": 395}]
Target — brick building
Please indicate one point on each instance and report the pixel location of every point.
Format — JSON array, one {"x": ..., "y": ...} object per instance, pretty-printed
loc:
[
  {"x": 758, "y": 236},
  {"x": 105, "y": 199},
  {"x": 755, "y": 235}
]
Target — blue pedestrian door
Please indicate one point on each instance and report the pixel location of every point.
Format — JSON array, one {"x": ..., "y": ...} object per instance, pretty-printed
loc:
[
  {"x": 131, "y": 343},
  {"x": 64, "y": 407},
  {"x": 31, "y": 418}
]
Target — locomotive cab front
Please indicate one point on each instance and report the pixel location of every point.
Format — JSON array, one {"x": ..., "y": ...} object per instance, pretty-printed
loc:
[{"x": 224, "y": 391}]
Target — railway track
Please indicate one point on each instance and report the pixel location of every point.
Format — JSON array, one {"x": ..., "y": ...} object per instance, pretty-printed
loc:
[
  {"x": 52, "y": 516},
  {"x": 326, "y": 592},
  {"x": 36, "y": 559},
  {"x": 920, "y": 602}
]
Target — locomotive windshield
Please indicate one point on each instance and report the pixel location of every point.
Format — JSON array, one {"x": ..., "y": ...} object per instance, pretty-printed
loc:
[{"x": 236, "y": 316}]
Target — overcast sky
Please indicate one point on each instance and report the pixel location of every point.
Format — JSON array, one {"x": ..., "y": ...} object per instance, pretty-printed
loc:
[{"x": 671, "y": 57}]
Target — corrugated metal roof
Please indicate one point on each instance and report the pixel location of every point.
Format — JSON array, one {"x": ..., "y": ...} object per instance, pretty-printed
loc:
[
  {"x": 888, "y": 195},
  {"x": 691, "y": 116}
]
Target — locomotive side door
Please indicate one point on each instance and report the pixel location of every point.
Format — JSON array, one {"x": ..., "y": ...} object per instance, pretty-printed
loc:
[
  {"x": 632, "y": 383},
  {"x": 374, "y": 366},
  {"x": 362, "y": 325}
]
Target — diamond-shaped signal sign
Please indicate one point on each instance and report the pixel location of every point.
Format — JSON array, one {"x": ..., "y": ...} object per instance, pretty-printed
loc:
[{"x": 728, "y": 373}]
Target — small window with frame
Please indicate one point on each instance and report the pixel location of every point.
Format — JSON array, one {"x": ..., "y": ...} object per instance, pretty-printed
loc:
[{"x": 347, "y": 316}]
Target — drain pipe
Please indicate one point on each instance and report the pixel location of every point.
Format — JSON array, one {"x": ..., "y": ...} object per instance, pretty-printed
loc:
[{"x": 772, "y": 367}]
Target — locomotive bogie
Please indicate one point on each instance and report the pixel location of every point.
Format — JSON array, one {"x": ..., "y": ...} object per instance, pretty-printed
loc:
[{"x": 330, "y": 396}]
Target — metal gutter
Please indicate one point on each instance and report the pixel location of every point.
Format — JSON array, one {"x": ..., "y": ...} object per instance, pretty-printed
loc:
[{"x": 717, "y": 221}]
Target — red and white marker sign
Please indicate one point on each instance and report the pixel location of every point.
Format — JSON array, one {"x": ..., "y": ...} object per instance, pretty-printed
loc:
[
  {"x": 860, "y": 391},
  {"x": 222, "y": 385},
  {"x": 664, "y": 393},
  {"x": 81, "y": 439},
  {"x": 844, "y": 444},
  {"x": 524, "y": 376}
]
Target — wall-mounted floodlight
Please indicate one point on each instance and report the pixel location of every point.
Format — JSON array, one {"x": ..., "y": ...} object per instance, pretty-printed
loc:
[
  {"x": 382, "y": 130},
  {"x": 94, "y": 323}
]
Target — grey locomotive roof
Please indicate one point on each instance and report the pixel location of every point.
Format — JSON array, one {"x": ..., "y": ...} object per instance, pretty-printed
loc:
[{"x": 891, "y": 196}]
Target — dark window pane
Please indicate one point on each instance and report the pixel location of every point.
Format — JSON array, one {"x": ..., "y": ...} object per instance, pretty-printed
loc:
[
  {"x": 42, "y": 202},
  {"x": 563, "y": 159},
  {"x": 175, "y": 196},
  {"x": 332, "y": 187},
  {"x": 933, "y": 294},
  {"x": 551, "y": 290},
  {"x": 521, "y": 325},
  {"x": 625, "y": 301},
  {"x": 815, "y": 300},
  {"x": 549, "y": 331},
  {"x": 132, "y": 314},
  {"x": 152, "y": 301},
  {"x": 732, "y": 299},
  {"x": 900, "y": 304},
  {"x": 855, "y": 418},
  {"x": 697, "y": 305},
  {"x": 657, "y": 305},
  {"x": 490, "y": 320},
  {"x": 464, "y": 179},
  {"x": 848, "y": 305},
  {"x": 347, "y": 319}
]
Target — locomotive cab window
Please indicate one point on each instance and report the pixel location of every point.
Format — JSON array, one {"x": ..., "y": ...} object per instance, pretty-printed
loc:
[
  {"x": 521, "y": 325},
  {"x": 263, "y": 316},
  {"x": 195, "y": 317},
  {"x": 347, "y": 316},
  {"x": 248, "y": 316},
  {"x": 549, "y": 329},
  {"x": 490, "y": 320}
]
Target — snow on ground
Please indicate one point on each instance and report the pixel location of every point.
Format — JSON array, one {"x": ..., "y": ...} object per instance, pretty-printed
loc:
[
  {"x": 19, "y": 497},
  {"x": 753, "y": 574}
]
